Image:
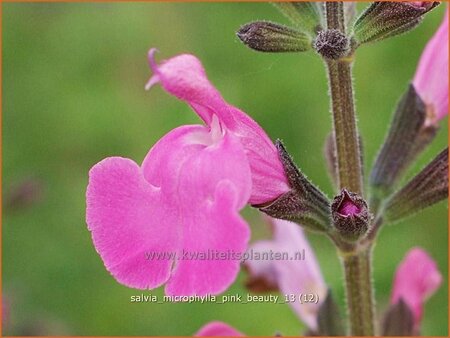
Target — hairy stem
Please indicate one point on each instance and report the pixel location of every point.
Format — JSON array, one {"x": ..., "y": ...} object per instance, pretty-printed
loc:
[
  {"x": 335, "y": 15},
  {"x": 343, "y": 108},
  {"x": 358, "y": 280},
  {"x": 356, "y": 263}
]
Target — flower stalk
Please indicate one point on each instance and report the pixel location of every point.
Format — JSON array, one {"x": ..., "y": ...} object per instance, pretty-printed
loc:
[
  {"x": 343, "y": 108},
  {"x": 359, "y": 291},
  {"x": 356, "y": 262}
]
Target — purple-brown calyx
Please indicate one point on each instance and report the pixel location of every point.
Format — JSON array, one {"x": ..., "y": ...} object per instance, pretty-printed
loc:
[{"x": 350, "y": 215}]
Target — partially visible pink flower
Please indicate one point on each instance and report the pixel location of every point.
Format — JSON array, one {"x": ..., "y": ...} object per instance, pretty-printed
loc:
[
  {"x": 292, "y": 276},
  {"x": 218, "y": 329},
  {"x": 423, "y": 5},
  {"x": 416, "y": 279},
  {"x": 431, "y": 78},
  {"x": 184, "y": 77},
  {"x": 419, "y": 3}
]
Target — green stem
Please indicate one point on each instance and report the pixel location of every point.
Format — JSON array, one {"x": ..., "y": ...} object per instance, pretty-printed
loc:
[
  {"x": 335, "y": 15},
  {"x": 342, "y": 102},
  {"x": 358, "y": 280},
  {"x": 356, "y": 262},
  {"x": 345, "y": 133}
]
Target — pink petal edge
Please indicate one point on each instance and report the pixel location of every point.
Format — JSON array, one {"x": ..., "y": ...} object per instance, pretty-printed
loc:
[{"x": 218, "y": 329}]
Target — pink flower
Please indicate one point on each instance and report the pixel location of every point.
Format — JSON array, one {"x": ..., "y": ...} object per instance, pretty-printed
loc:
[
  {"x": 184, "y": 77},
  {"x": 218, "y": 329},
  {"x": 291, "y": 275},
  {"x": 184, "y": 199},
  {"x": 419, "y": 3},
  {"x": 416, "y": 279},
  {"x": 431, "y": 78}
]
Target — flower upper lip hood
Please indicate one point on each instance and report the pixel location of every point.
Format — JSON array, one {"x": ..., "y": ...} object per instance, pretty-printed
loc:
[
  {"x": 431, "y": 78},
  {"x": 184, "y": 77}
]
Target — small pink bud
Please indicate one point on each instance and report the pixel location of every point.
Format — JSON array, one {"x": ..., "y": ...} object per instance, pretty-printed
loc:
[{"x": 350, "y": 215}]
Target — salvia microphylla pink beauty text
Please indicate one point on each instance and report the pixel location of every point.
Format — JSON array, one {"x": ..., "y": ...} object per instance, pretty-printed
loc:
[{"x": 187, "y": 195}]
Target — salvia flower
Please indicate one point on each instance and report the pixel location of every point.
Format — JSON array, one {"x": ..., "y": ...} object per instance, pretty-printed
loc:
[
  {"x": 184, "y": 77},
  {"x": 186, "y": 196},
  {"x": 291, "y": 275},
  {"x": 218, "y": 329},
  {"x": 431, "y": 78},
  {"x": 416, "y": 279}
]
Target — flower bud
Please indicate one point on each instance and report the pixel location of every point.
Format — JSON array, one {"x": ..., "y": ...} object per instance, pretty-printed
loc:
[
  {"x": 267, "y": 36},
  {"x": 350, "y": 215},
  {"x": 428, "y": 187},
  {"x": 406, "y": 139},
  {"x": 332, "y": 44},
  {"x": 383, "y": 19}
]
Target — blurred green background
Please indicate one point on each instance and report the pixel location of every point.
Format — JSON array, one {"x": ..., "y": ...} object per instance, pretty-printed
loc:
[{"x": 73, "y": 94}]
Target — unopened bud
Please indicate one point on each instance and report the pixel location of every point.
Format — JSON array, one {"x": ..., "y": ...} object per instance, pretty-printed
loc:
[
  {"x": 350, "y": 215},
  {"x": 267, "y": 36},
  {"x": 332, "y": 44},
  {"x": 407, "y": 137},
  {"x": 383, "y": 19},
  {"x": 428, "y": 187}
]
